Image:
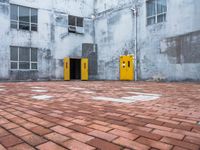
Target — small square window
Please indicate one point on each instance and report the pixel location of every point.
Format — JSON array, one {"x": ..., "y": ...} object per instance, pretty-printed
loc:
[
  {"x": 34, "y": 27},
  {"x": 161, "y": 18},
  {"x": 24, "y": 65},
  {"x": 24, "y": 26},
  {"x": 34, "y": 66},
  {"x": 14, "y": 65},
  {"x": 151, "y": 20},
  {"x": 13, "y": 24}
]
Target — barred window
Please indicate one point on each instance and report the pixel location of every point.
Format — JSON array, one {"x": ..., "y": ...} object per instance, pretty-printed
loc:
[
  {"x": 23, "y": 18},
  {"x": 156, "y": 11},
  {"x": 23, "y": 58}
]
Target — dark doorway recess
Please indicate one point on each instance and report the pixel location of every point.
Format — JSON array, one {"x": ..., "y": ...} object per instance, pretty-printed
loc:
[{"x": 75, "y": 69}]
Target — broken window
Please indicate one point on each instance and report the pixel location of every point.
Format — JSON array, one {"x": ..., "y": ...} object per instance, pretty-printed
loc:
[
  {"x": 23, "y": 58},
  {"x": 156, "y": 11},
  {"x": 23, "y": 18}
]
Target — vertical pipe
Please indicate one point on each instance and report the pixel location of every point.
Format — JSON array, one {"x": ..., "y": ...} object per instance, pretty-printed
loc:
[{"x": 136, "y": 43}]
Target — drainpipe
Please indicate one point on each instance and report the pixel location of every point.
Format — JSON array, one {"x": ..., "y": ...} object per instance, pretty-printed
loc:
[
  {"x": 134, "y": 9},
  {"x": 94, "y": 34}
]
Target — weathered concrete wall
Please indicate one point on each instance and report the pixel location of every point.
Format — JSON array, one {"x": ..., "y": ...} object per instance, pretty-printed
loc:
[
  {"x": 114, "y": 28},
  {"x": 53, "y": 40},
  {"x": 168, "y": 50},
  {"x": 182, "y": 18},
  {"x": 115, "y": 34}
]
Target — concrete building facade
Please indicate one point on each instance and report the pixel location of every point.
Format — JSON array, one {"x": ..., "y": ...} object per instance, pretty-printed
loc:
[{"x": 163, "y": 34}]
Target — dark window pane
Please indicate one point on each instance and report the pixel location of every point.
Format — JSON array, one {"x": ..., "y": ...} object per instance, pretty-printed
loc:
[
  {"x": 14, "y": 54},
  {"x": 13, "y": 24},
  {"x": 151, "y": 20},
  {"x": 24, "y": 54},
  {"x": 24, "y": 65},
  {"x": 13, "y": 12},
  {"x": 13, "y": 65},
  {"x": 34, "y": 27},
  {"x": 34, "y": 55},
  {"x": 161, "y": 18},
  {"x": 24, "y": 14},
  {"x": 33, "y": 65},
  {"x": 24, "y": 26},
  {"x": 79, "y": 22},
  {"x": 151, "y": 8},
  {"x": 72, "y": 20},
  {"x": 161, "y": 6},
  {"x": 34, "y": 16}
]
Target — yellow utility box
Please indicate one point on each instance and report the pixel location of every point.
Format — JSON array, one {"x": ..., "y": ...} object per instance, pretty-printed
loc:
[
  {"x": 84, "y": 69},
  {"x": 66, "y": 69},
  {"x": 127, "y": 67}
]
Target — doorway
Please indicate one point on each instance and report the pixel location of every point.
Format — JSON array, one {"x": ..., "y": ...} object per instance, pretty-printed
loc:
[{"x": 75, "y": 69}]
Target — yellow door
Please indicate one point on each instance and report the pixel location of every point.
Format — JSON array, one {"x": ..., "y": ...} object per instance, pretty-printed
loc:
[
  {"x": 122, "y": 68},
  {"x": 126, "y": 68},
  {"x": 84, "y": 69},
  {"x": 130, "y": 68},
  {"x": 66, "y": 69}
]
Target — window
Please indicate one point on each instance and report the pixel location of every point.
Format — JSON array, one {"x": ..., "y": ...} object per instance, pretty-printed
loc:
[
  {"x": 23, "y": 58},
  {"x": 23, "y": 18},
  {"x": 156, "y": 11},
  {"x": 75, "y": 22}
]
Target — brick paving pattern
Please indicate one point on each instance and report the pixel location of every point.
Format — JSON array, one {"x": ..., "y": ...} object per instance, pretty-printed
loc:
[{"x": 69, "y": 117}]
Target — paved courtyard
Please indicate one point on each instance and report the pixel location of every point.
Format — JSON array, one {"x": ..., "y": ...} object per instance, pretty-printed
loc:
[{"x": 107, "y": 115}]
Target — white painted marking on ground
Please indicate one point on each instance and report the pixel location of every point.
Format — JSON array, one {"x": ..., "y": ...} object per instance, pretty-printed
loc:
[
  {"x": 141, "y": 98},
  {"x": 42, "y": 97},
  {"x": 146, "y": 94},
  {"x": 132, "y": 88},
  {"x": 37, "y": 87},
  {"x": 40, "y": 91},
  {"x": 2, "y": 89},
  {"x": 76, "y": 88},
  {"x": 130, "y": 99},
  {"x": 101, "y": 98},
  {"x": 87, "y": 92}
]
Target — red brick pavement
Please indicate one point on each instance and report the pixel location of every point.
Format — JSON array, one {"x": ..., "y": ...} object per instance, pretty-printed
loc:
[{"x": 72, "y": 119}]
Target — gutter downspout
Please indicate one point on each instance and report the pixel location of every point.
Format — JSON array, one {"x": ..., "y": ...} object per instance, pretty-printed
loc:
[
  {"x": 136, "y": 36},
  {"x": 134, "y": 9}
]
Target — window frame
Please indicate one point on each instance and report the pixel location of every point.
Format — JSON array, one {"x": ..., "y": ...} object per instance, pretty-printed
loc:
[
  {"x": 164, "y": 13},
  {"x": 18, "y": 61},
  {"x": 76, "y": 21},
  {"x": 18, "y": 18}
]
